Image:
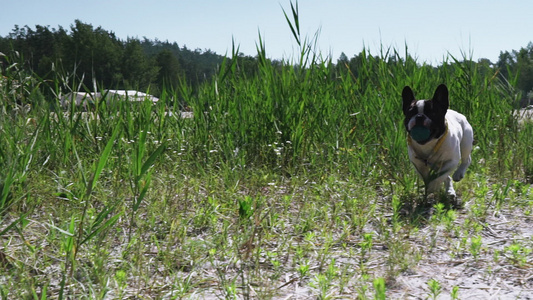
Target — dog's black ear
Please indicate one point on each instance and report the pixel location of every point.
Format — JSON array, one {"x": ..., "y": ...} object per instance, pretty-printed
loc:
[
  {"x": 408, "y": 98},
  {"x": 440, "y": 98}
]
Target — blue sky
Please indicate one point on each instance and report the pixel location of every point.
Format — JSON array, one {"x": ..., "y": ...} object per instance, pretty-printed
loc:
[{"x": 430, "y": 29}]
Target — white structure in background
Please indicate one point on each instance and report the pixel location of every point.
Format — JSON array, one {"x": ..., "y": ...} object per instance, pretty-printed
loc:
[
  {"x": 131, "y": 95},
  {"x": 87, "y": 99}
]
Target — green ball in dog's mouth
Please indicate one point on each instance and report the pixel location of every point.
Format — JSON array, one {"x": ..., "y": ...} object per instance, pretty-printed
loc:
[{"x": 420, "y": 133}]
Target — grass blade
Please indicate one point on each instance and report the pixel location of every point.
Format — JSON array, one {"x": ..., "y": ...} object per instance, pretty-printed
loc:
[
  {"x": 13, "y": 224},
  {"x": 103, "y": 157},
  {"x": 151, "y": 160},
  {"x": 295, "y": 28}
]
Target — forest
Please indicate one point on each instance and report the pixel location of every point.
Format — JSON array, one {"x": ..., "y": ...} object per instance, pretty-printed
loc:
[{"x": 96, "y": 55}]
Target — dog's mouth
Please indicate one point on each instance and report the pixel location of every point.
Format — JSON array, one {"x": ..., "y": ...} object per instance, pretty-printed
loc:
[
  {"x": 419, "y": 128},
  {"x": 420, "y": 133}
]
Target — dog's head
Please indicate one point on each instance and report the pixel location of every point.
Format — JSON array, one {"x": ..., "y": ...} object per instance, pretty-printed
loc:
[{"x": 425, "y": 119}]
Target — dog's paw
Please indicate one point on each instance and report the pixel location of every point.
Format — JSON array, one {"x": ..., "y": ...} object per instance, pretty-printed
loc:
[
  {"x": 456, "y": 202},
  {"x": 458, "y": 175},
  {"x": 460, "y": 172},
  {"x": 431, "y": 199}
]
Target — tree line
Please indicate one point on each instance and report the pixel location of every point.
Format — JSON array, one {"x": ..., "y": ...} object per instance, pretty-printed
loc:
[
  {"x": 95, "y": 55},
  {"x": 515, "y": 67},
  {"x": 92, "y": 56}
]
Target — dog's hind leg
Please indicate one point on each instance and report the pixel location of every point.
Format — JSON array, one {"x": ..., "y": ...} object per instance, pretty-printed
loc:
[{"x": 466, "y": 150}]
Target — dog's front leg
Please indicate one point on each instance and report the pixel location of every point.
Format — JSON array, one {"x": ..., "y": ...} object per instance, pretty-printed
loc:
[
  {"x": 436, "y": 184},
  {"x": 439, "y": 175},
  {"x": 449, "y": 187}
]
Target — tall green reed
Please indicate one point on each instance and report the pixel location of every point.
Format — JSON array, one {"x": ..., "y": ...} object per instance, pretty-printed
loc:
[
  {"x": 313, "y": 116},
  {"x": 304, "y": 115}
]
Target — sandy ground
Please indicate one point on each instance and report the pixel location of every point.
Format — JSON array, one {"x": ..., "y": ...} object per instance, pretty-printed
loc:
[{"x": 492, "y": 275}]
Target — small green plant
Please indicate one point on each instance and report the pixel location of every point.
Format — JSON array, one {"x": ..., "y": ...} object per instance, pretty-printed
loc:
[
  {"x": 475, "y": 246},
  {"x": 303, "y": 270},
  {"x": 518, "y": 253},
  {"x": 396, "y": 207},
  {"x": 323, "y": 284},
  {"x": 455, "y": 292},
  {"x": 366, "y": 247},
  {"x": 183, "y": 286},
  {"x": 379, "y": 287},
  {"x": 434, "y": 288},
  {"x": 246, "y": 207},
  {"x": 440, "y": 211},
  {"x": 324, "y": 281},
  {"x": 363, "y": 287},
  {"x": 121, "y": 279},
  {"x": 449, "y": 220}
]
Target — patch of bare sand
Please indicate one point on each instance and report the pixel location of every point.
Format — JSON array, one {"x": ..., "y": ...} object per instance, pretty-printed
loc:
[{"x": 494, "y": 274}]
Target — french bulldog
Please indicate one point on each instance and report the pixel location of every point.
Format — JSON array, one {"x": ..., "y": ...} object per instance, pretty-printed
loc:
[{"x": 439, "y": 140}]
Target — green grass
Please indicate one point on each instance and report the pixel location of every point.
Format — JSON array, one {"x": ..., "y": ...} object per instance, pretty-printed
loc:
[{"x": 294, "y": 181}]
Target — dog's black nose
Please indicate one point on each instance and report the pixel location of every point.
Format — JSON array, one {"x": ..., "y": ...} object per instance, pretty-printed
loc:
[{"x": 420, "y": 119}]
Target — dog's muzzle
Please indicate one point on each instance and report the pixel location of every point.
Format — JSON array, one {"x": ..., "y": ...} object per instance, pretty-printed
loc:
[{"x": 420, "y": 120}]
